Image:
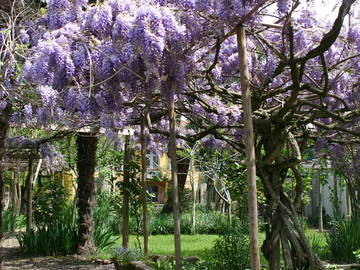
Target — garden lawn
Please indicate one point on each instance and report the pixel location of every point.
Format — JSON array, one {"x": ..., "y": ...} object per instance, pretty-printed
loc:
[{"x": 191, "y": 245}]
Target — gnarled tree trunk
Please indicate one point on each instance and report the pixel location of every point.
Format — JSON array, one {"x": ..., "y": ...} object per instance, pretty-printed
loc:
[
  {"x": 86, "y": 161},
  {"x": 285, "y": 238}
]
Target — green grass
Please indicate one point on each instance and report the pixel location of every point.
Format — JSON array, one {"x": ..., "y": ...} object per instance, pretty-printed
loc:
[{"x": 191, "y": 245}]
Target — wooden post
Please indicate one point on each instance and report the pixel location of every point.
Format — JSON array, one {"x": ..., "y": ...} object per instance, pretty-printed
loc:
[
  {"x": 143, "y": 184},
  {"x": 4, "y": 126},
  {"x": 37, "y": 171},
  {"x": 336, "y": 201},
  {"x": 126, "y": 196},
  {"x": 29, "y": 194},
  {"x": 175, "y": 186},
  {"x": 320, "y": 205},
  {"x": 193, "y": 190},
  {"x": 250, "y": 148},
  {"x": 348, "y": 202},
  {"x": 14, "y": 198}
]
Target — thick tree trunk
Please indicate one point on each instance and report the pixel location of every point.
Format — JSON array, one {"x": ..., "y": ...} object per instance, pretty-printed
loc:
[
  {"x": 250, "y": 149},
  {"x": 175, "y": 186},
  {"x": 4, "y": 126},
  {"x": 126, "y": 194},
  {"x": 182, "y": 165},
  {"x": 144, "y": 186},
  {"x": 283, "y": 229},
  {"x": 29, "y": 194},
  {"x": 86, "y": 162}
]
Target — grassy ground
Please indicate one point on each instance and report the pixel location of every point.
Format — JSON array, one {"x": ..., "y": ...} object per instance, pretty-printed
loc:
[
  {"x": 195, "y": 245},
  {"x": 191, "y": 245}
]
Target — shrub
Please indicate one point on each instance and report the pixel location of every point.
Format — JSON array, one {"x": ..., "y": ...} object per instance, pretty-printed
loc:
[
  {"x": 59, "y": 238},
  {"x": 162, "y": 224},
  {"x": 206, "y": 223},
  {"x": 170, "y": 265},
  {"x": 313, "y": 221},
  {"x": 49, "y": 202},
  {"x": 125, "y": 255},
  {"x": 231, "y": 250},
  {"x": 211, "y": 223},
  {"x": 344, "y": 239}
]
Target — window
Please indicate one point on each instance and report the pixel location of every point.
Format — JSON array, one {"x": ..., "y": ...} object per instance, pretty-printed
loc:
[
  {"x": 153, "y": 161},
  {"x": 154, "y": 192}
]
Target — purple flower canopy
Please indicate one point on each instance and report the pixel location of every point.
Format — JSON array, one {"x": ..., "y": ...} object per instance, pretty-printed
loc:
[{"x": 103, "y": 64}]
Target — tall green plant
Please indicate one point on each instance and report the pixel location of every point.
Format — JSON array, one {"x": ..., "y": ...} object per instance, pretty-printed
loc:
[
  {"x": 231, "y": 250},
  {"x": 106, "y": 219},
  {"x": 59, "y": 238},
  {"x": 49, "y": 202},
  {"x": 344, "y": 239},
  {"x": 9, "y": 221},
  {"x": 107, "y": 211}
]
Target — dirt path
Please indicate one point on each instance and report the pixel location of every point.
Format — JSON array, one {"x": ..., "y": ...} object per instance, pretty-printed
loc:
[{"x": 13, "y": 259}]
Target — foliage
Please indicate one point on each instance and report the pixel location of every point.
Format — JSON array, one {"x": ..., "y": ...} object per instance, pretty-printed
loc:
[
  {"x": 207, "y": 223},
  {"x": 299, "y": 78},
  {"x": 313, "y": 221},
  {"x": 170, "y": 265},
  {"x": 231, "y": 250},
  {"x": 104, "y": 238},
  {"x": 109, "y": 159},
  {"x": 226, "y": 168},
  {"x": 304, "y": 222},
  {"x": 344, "y": 239},
  {"x": 49, "y": 202},
  {"x": 319, "y": 245},
  {"x": 58, "y": 238},
  {"x": 107, "y": 211},
  {"x": 124, "y": 255},
  {"x": 357, "y": 254},
  {"x": 9, "y": 220},
  {"x": 57, "y": 226},
  {"x": 134, "y": 188},
  {"x": 307, "y": 175},
  {"x": 345, "y": 159},
  {"x": 106, "y": 219}
]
